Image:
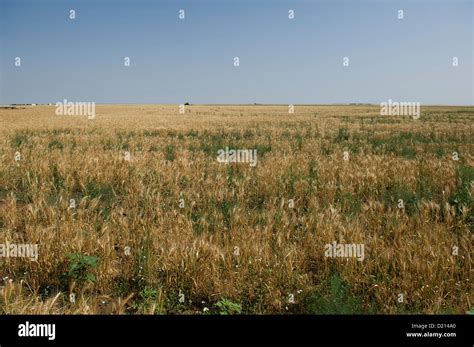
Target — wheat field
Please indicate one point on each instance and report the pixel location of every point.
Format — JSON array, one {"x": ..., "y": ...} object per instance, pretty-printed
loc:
[{"x": 133, "y": 214}]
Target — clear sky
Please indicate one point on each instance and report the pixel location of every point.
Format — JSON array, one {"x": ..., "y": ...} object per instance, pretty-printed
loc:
[{"x": 281, "y": 60}]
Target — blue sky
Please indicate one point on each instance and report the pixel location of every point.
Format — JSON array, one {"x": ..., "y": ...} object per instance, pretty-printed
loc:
[{"x": 281, "y": 60}]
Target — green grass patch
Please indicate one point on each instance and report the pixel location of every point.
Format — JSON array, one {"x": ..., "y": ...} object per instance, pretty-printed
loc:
[{"x": 333, "y": 296}]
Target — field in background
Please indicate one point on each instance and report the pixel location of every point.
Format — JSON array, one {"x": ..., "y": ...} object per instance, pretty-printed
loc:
[{"x": 208, "y": 237}]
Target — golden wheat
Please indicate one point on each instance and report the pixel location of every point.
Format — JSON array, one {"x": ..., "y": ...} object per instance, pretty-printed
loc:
[{"x": 175, "y": 231}]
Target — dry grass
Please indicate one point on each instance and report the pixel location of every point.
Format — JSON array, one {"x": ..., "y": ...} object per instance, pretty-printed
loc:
[{"x": 191, "y": 250}]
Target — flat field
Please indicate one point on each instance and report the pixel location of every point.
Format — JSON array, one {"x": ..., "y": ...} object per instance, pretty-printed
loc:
[{"x": 133, "y": 213}]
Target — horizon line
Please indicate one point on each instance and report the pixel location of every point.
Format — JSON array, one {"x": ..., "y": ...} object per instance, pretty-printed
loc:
[{"x": 236, "y": 104}]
